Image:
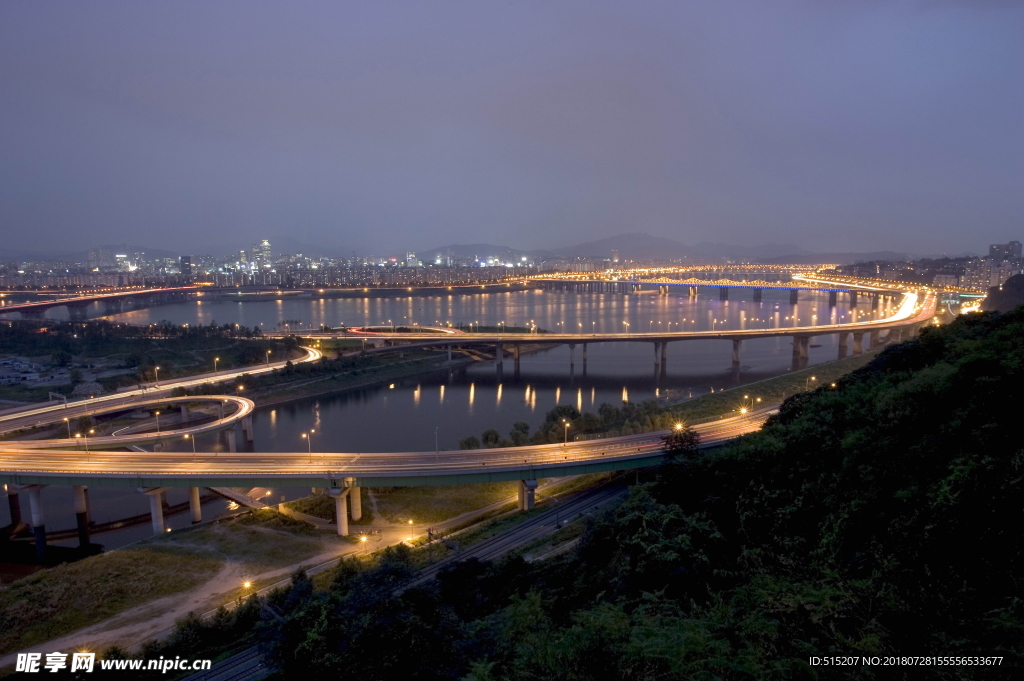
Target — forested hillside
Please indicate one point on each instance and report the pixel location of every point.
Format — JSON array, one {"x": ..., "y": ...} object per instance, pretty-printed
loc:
[{"x": 879, "y": 517}]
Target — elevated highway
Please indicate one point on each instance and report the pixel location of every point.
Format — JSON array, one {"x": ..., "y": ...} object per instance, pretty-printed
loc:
[
  {"x": 341, "y": 473},
  {"x": 916, "y": 309},
  {"x": 76, "y": 305}
]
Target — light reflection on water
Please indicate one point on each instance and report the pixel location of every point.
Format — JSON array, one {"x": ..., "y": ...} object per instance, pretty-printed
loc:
[{"x": 470, "y": 399}]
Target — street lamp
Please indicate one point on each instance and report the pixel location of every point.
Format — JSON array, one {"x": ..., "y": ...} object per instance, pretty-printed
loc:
[
  {"x": 807, "y": 383},
  {"x": 69, "y": 426},
  {"x": 157, "y": 421},
  {"x": 268, "y": 358},
  {"x": 362, "y": 540},
  {"x": 215, "y": 360},
  {"x": 566, "y": 432},
  {"x": 308, "y": 437},
  {"x": 156, "y": 370},
  {"x": 189, "y": 437}
]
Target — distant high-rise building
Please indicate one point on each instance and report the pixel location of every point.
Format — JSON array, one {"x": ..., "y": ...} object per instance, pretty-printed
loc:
[
  {"x": 410, "y": 260},
  {"x": 185, "y": 267},
  {"x": 1010, "y": 251},
  {"x": 243, "y": 258},
  {"x": 100, "y": 257},
  {"x": 615, "y": 256},
  {"x": 265, "y": 253}
]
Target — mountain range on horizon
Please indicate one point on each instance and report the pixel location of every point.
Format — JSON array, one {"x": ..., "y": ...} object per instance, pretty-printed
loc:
[{"x": 630, "y": 246}]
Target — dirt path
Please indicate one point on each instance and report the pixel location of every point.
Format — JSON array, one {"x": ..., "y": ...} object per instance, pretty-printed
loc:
[
  {"x": 141, "y": 622},
  {"x": 133, "y": 627}
]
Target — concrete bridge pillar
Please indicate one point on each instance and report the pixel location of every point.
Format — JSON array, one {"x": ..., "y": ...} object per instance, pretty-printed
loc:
[
  {"x": 355, "y": 498},
  {"x": 723, "y": 293},
  {"x": 14, "y": 504},
  {"x": 664, "y": 354},
  {"x": 832, "y": 298},
  {"x": 112, "y": 306},
  {"x": 449, "y": 349},
  {"x": 736, "y": 345},
  {"x": 757, "y": 294},
  {"x": 38, "y": 521},
  {"x": 194, "y": 505},
  {"x": 844, "y": 341},
  {"x": 657, "y": 354},
  {"x": 875, "y": 301},
  {"x": 853, "y": 298},
  {"x": 77, "y": 313},
  {"x": 794, "y": 296},
  {"x": 340, "y": 494},
  {"x": 875, "y": 333},
  {"x": 896, "y": 335},
  {"x": 693, "y": 291},
  {"x": 247, "y": 428},
  {"x": 858, "y": 343},
  {"x": 81, "y": 514},
  {"x": 499, "y": 354},
  {"x": 584, "y": 354},
  {"x": 527, "y": 494},
  {"x": 156, "y": 508},
  {"x": 184, "y": 413},
  {"x": 229, "y": 435},
  {"x": 220, "y": 411},
  {"x": 572, "y": 354}
]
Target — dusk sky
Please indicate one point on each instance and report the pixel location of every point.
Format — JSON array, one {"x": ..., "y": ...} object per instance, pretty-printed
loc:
[{"x": 380, "y": 126}]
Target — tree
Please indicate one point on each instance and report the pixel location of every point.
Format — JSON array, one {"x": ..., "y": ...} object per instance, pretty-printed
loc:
[
  {"x": 76, "y": 376},
  {"x": 681, "y": 440},
  {"x": 61, "y": 357},
  {"x": 520, "y": 433},
  {"x": 491, "y": 437},
  {"x": 471, "y": 442}
]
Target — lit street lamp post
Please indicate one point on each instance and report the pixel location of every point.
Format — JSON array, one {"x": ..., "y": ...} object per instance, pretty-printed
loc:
[
  {"x": 157, "y": 421},
  {"x": 156, "y": 371}
]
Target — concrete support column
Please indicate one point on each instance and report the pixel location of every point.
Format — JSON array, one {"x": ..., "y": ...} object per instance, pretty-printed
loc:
[
  {"x": 81, "y": 514},
  {"x": 230, "y": 437},
  {"x": 499, "y": 354},
  {"x": 875, "y": 301},
  {"x": 844, "y": 342},
  {"x": 156, "y": 508},
  {"x": 832, "y": 298},
  {"x": 853, "y": 298},
  {"x": 693, "y": 291},
  {"x": 858, "y": 343},
  {"x": 35, "y": 504},
  {"x": 220, "y": 411},
  {"x": 14, "y": 503},
  {"x": 572, "y": 354},
  {"x": 184, "y": 413},
  {"x": 794, "y": 296},
  {"x": 194, "y": 505},
  {"x": 874, "y": 338},
  {"x": 758, "y": 293},
  {"x": 664, "y": 354},
  {"x": 340, "y": 494},
  {"x": 527, "y": 494},
  {"x": 736, "y": 345},
  {"x": 584, "y": 354},
  {"x": 723, "y": 293},
  {"x": 449, "y": 348},
  {"x": 247, "y": 428},
  {"x": 355, "y": 498},
  {"x": 657, "y": 354},
  {"x": 898, "y": 337}
]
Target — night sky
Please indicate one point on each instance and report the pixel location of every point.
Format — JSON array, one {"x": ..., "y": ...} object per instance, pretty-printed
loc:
[{"x": 379, "y": 126}]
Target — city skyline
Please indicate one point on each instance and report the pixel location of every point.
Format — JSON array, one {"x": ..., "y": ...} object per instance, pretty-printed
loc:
[{"x": 857, "y": 128}]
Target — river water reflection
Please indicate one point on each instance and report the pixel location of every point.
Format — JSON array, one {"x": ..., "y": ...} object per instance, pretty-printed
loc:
[{"x": 448, "y": 405}]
